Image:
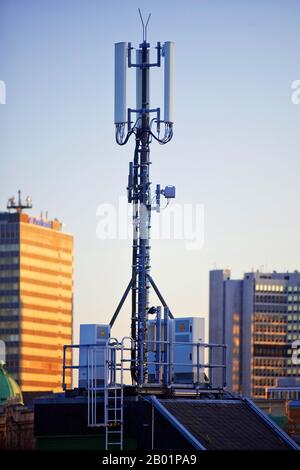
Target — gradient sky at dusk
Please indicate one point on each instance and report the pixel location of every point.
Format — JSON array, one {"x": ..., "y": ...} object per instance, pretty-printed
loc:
[{"x": 235, "y": 147}]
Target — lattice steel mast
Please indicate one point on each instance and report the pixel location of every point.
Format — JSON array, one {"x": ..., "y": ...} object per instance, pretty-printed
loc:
[{"x": 139, "y": 185}]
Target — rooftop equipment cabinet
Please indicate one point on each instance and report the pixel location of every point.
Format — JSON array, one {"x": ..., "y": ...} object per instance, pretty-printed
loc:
[
  {"x": 92, "y": 335},
  {"x": 188, "y": 331},
  {"x": 160, "y": 350}
]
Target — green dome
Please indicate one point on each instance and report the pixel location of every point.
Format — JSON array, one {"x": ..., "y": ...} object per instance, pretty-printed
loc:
[{"x": 9, "y": 389}]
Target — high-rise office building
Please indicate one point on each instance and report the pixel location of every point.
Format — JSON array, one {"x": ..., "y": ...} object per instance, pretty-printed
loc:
[
  {"x": 258, "y": 317},
  {"x": 36, "y": 299}
]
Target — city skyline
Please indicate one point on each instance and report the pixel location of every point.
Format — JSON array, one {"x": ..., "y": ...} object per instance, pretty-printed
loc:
[{"x": 234, "y": 149}]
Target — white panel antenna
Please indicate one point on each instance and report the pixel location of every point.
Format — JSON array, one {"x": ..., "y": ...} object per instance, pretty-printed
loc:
[
  {"x": 121, "y": 51},
  {"x": 168, "y": 53}
]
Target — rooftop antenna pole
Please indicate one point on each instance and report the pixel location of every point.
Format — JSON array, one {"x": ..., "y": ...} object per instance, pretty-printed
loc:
[
  {"x": 136, "y": 121},
  {"x": 19, "y": 206},
  {"x": 143, "y": 25}
]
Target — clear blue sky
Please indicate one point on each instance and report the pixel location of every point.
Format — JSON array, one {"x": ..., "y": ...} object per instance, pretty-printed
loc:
[{"x": 235, "y": 148}]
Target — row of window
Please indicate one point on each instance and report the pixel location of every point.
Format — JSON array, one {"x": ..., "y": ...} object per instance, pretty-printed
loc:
[
  {"x": 7, "y": 323},
  {"x": 271, "y": 350},
  {"x": 265, "y": 381},
  {"x": 9, "y": 237},
  {"x": 292, "y": 318},
  {"x": 293, "y": 372},
  {"x": 283, "y": 395},
  {"x": 294, "y": 308},
  {"x": 267, "y": 372},
  {"x": 259, "y": 392},
  {"x": 9, "y": 273},
  {"x": 12, "y": 363},
  {"x": 270, "y": 362},
  {"x": 290, "y": 362},
  {"x": 9, "y": 260},
  {"x": 9, "y": 312},
  {"x": 9, "y": 247},
  {"x": 271, "y": 298},
  {"x": 276, "y": 288},
  {"x": 12, "y": 349},
  {"x": 293, "y": 327},
  {"x": 13, "y": 338},
  {"x": 9, "y": 286},
  {"x": 269, "y": 288},
  {"x": 270, "y": 328},
  {"x": 293, "y": 298},
  {"x": 269, "y": 338},
  {"x": 275, "y": 299},
  {"x": 11, "y": 331},
  {"x": 293, "y": 337},
  {"x": 9, "y": 299},
  {"x": 269, "y": 318},
  {"x": 12, "y": 227},
  {"x": 270, "y": 308}
]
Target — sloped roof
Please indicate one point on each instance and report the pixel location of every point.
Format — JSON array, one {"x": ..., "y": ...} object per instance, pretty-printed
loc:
[{"x": 225, "y": 424}]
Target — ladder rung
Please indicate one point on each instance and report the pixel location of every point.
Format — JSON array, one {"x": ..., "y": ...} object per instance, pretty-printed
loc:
[{"x": 97, "y": 425}]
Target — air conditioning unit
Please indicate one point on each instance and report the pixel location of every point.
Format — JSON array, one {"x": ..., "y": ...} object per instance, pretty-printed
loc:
[
  {"x": 188, "y": 330},
  {"x": 92, "y": 336}
]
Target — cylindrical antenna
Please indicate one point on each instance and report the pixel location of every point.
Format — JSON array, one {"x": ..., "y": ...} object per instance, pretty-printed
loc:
[
  {"x": 121, "y": 51},
  {"x": 168, "y": 53}
]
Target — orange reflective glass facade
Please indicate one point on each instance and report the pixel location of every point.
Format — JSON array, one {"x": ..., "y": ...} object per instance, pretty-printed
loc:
[{"x": 45, "y": 304}]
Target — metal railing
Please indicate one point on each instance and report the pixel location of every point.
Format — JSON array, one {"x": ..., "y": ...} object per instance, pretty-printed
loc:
[
  {"x": 162, "y": 366},
  {"x": 101, "y": 370},
  {"x": 170, "y": 371}
]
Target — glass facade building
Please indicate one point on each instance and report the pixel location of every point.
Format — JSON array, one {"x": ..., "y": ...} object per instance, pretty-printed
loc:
[
  {"x": 36, "y": 299},
  {"x": 258, "y": 317}
]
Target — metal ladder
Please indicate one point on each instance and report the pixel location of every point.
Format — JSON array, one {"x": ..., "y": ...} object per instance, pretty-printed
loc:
[
  {"x": 109, "y": 359},
  {"x": 94, "y": 386},
  {"x": 114, "y": 398}
]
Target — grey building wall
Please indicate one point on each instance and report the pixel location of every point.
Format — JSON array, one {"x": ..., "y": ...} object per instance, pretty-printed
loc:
[
  {"x": 246, "y": 333},
  {"x": 225, "y": 306}
]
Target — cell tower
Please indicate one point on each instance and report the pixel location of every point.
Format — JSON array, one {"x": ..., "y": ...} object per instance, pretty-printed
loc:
[{"x": 145, "y": 124}]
